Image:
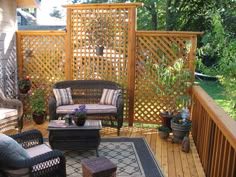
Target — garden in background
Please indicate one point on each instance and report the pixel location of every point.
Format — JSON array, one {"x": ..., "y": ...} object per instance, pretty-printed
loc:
[{"x": 218, "y": 94}]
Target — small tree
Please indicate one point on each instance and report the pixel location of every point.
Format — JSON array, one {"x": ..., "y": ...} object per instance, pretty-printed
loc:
[{"x": 170, "y": 82}]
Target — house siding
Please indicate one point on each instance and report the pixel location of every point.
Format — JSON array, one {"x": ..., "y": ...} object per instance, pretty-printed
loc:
[{"x": 8, "y": 60}]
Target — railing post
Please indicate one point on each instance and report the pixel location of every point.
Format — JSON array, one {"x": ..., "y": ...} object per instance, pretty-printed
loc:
[{"x": 131, "y": 62}]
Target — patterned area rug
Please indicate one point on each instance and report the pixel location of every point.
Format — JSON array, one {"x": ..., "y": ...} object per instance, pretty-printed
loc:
[{"x": 132, "y": 156}]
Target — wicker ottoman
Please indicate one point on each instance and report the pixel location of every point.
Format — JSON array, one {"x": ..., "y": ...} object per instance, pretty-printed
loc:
[{"x": 98, "y": 167}]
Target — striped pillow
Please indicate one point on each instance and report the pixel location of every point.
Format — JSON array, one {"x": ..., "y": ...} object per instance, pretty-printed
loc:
[
  {"x": 63, "y": 96},
  {"x": 109, "y": 96}
]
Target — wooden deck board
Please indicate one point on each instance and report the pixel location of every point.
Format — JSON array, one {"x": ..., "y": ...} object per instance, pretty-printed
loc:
[{"x": 173, "y": 161}]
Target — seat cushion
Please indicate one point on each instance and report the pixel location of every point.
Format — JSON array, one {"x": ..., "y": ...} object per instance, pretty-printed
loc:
[
  {"x": 38, "y": 150},
  {"x": 91, "y": 109},
  {"x": 6, "y": 113}
]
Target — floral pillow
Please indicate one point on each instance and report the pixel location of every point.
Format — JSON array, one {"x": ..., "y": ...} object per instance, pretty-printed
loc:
[
  {"x": 110, "y": 96},
  {"x": 63, "y": 96}
]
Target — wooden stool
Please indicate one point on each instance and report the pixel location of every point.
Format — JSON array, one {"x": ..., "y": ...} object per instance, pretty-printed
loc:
[{"x": 98, "y": 167}]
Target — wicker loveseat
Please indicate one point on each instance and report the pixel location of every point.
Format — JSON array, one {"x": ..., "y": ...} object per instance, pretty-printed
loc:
[{"x": 89, "y": 92}]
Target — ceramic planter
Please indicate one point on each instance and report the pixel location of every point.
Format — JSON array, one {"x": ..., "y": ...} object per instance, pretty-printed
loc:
[
  {"x": 39, "y": 118},
  {"x": 80, "y": 121},
  {"x": 180, "y": 130},
  {"x": 163, "y": 135}
]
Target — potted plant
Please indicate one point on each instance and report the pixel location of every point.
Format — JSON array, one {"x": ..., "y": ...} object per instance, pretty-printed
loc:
[
  {"x": 79, "y": 115},
  {"x": 100, "y": 34},
  {"x": 164, "y": 131},
  {"x": 24, "y": 85},
  {"x": 38, "y": 104},
  {"x": 170, "y": 83},
  {"x": 181, "y": 125}
]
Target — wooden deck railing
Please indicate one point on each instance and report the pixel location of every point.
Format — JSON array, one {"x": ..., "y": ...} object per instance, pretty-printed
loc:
[{"x": 214, "y": 134}]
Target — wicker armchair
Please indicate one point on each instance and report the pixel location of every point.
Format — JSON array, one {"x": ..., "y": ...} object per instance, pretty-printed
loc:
[
  {"x": 14, "y": 120},
  {"x": 46, "y": 163}
]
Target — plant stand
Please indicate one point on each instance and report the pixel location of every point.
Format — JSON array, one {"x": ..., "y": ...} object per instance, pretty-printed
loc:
[
  {"x": 166, "y": 118},
  {"x": 179, "y": 131}
]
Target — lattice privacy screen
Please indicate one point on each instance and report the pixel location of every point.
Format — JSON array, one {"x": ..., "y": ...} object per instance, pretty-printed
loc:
[
  {"x": 48, "y": 57},
  {"x": 43, "y": 61},
  {"x": 157, "y": 49},
  {"x": 106, "y": 28}
]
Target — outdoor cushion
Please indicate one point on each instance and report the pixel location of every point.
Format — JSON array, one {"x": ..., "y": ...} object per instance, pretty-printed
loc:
[
  {"x": 11, "y": 151},
  {"x": 8, "y": 119},
  {"x": 63, "y": 96},
  {"x": 38, "y": 150},
  {"x": 109, "y": 96},
  {"x": 6, "y": 112},
  {"x": 91, "y": 108}
]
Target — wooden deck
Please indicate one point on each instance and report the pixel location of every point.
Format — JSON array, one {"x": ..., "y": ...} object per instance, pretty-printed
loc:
[{"x": 173, "y": 161}]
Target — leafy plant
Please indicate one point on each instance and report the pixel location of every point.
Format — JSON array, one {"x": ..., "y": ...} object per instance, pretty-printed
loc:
[
  {"x": 100, "y": 31},
  {"x": 183, "y": 117},
  {"x": 171, "y": 82},
  {"x": 37, "y": 100},
  {"x": 80, "y": 112}
]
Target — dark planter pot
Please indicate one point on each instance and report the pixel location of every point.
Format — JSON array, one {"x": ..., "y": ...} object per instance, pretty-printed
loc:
[
  {"x": 166, "y": 118},
  {"x": 80, "y": 121},
  {"x": 163, "y": 135},
  {"x": 179, "y": 131},
  {"x": 24, "y": 90},
  {"x": 99, "y": 51},
  {"x": 39, "y": 118}
]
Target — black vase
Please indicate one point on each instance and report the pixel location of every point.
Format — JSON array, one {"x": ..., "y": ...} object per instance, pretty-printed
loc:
[{"x": 80, "y": 121}]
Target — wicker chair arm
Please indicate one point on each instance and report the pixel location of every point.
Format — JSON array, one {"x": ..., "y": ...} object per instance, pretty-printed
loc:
[
  {"x": 52, "y": 103},
  {"x": 120, "y": 109},
  {"x": 13, "y": 104},
  {"x": 29, "y": 138},
  {"x": 48, "y": 164}
]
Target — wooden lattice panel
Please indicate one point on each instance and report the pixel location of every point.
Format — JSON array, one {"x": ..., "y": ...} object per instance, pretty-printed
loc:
[
  {"x": 91, "y": 28},
  {"x": 43, "y": 61},
  {"x": 156, "y": 49}
]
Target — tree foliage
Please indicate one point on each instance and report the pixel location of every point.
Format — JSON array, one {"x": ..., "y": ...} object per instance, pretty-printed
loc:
[{"x": 56, "y": 13}]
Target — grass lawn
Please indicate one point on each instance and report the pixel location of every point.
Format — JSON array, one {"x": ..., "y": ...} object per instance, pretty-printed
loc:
[{"x": 216, "y": 91}]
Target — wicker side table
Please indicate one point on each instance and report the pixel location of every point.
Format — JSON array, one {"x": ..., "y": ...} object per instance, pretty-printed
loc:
[{"x": 98, "y": 167}]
